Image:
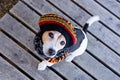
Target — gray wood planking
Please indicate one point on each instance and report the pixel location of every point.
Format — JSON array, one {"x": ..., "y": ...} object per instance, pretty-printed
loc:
[
  {"x": 116, "y": 57},
  {"x": 111, "y": 5},
  {"x": 86, "y": 61},
  {"x": 8, "y": 72},
  {"x": 95, "y": 68},
  {"x": 71, "y": 72},
  {"x": 31, "y": 20},
  {"x": 23, "y": 59},
  {"x": 107, "y": 18},
  {"x": 103, "y": 53},
  {"x": 18, "y": 33}
]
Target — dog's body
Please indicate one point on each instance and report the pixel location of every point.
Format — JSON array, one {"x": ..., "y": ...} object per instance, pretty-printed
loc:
[{"x": 53, "y": 41}]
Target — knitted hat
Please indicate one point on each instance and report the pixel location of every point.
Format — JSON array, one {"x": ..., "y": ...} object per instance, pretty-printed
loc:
[{"x": 55, "y": 22}]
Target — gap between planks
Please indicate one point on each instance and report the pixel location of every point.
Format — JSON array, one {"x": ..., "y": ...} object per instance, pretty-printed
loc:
[
  {"x": 92, "y": 15},
  {"x": 17, "y": 67},
  {"x": 107, "y": 9}
]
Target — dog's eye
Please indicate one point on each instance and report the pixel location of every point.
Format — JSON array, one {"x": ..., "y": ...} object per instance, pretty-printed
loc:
[
  {"x": 62, "y": 42},
  {"x": 51, "y": 35}
]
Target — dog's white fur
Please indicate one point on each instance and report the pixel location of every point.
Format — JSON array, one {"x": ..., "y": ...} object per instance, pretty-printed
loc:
[
  {"x": 92, "y": 20},
  {"x": 72, "y": 55},
  {"x": 78, "y": 51}
]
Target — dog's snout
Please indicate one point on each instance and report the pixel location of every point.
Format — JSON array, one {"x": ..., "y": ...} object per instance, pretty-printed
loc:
[{"x": 51, "y": 51}]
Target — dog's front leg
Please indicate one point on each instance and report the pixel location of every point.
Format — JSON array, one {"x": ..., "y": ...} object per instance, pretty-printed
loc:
[{"x": 43, "y": 65}]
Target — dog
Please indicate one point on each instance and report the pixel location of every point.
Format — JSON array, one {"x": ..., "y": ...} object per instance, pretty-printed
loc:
[{"x": 58, "y": 39}]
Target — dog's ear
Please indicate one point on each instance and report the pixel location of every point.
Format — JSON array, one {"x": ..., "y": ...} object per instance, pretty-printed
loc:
[{"x": 38, "y": 44}]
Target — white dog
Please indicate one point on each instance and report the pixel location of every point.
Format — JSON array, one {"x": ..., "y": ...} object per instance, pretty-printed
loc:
[{"x": 58, "y": 39}]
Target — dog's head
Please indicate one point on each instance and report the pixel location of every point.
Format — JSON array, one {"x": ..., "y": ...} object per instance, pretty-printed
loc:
[
  {"x": 53, "y": 41},
  {"x": 56, "y": 35}
]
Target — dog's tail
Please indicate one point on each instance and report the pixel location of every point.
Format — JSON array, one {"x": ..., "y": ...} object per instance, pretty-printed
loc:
[{"x": 90, "y": 22}]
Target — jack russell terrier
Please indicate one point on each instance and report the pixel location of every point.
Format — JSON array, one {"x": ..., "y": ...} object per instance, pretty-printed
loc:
[{"x": 58, "y": 39}]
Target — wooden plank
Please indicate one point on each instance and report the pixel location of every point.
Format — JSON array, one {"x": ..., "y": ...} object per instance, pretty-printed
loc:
[
  {"x": 26, "y": 11},
  {"x": 106, "y": 17},
  {"x": 103, "y": 53},
  {"x": 106, "y": 36},
  {"x": 99, "y": 55},
  {"x": 7, "y": 71},
  {"x": 111, "y": 5},
  {"x": 98, "y": 30},
  {"x": 20, "y": 35},
  {"x": 23, "y": 59},
  {"x": 71, "y": 72},
  {"x": 95, "y": 68},
  {"x": 18, "y": 31}
]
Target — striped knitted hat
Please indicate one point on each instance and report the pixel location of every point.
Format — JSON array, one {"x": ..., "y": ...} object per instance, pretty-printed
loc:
[{"x": 55, "y": 22}]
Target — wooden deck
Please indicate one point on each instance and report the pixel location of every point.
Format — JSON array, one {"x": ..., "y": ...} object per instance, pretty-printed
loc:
[{"x": 101, "y": 61}]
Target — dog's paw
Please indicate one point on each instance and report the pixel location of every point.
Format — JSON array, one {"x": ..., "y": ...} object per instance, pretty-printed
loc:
[
  {"x": 69, "y": 58},
  {"x": 42, "y": 66}
]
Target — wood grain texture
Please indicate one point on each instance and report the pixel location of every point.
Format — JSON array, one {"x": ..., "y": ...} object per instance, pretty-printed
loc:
[
  {"x": 18, "y": 31},
  {"x": 8, "y": 72},
  {"x": 107, "y": 18},
  {"x": 103, "y": 53},
  {"x": 111, "y": 5},
  {"x": 71, "y": 72},
  {"x": 21, "y": 10},
  {"x": 94, "y": 67}
]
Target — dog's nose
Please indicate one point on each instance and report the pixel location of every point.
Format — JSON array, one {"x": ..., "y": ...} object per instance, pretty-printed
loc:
[{"x": 51, "y": 51}]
